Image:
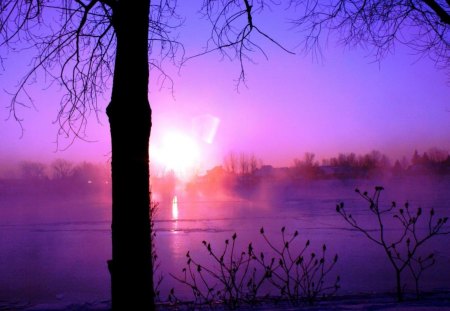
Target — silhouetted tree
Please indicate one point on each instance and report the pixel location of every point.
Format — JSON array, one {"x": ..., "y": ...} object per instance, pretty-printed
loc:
[
  {"x": 308, "y": 167},
  {"x": 97, "y": 174},
  {"x": 343, "y": 160},
  {"x": 62, "y": 169},
  {"x": 230, "y": 163},
  {"x": 437, "y": 155},
  {"x": 81, "y": 45},
  {"x": 422, "y": 25},
  {"x": 373, "y": 162},
  {"x": 416, "y": 158},
  {"x": 245, "y": 164},
  {"x": 352, "y": 165},
  {"x": 433, "y": 161},
  {"x": 254, "y": 164},
  {"x": 32, "y": 171}
]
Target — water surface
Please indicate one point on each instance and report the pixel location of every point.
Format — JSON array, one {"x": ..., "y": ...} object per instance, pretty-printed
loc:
[{"x": 55, "y": 247}]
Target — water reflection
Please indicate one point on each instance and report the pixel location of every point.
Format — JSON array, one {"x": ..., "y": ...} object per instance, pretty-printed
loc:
[
  {"x": 175, "y": 208},
  {"x": 33, "y": 231}
]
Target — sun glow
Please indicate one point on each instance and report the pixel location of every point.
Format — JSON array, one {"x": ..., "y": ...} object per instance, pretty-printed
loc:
[
  {"x": 175, "y": 208},
  {"x": 177, "y": 152}
]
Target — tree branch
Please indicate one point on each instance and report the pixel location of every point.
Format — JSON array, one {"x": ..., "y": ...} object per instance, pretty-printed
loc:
[{"x": 443, "y": 15}]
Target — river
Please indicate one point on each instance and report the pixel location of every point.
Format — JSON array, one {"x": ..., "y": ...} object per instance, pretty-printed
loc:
[{"x": 54, "y": 248}]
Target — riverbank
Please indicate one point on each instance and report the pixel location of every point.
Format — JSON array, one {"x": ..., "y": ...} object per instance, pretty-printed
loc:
[{"x": 385, "y": 302}]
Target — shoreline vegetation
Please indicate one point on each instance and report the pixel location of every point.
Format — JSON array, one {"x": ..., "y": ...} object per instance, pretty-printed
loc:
[
  {"x": 238, "y": 175},
  {"x": 429, "y": 300},
  {"x": 240, "y": 278},
  {"x": 240, "y": 180}
]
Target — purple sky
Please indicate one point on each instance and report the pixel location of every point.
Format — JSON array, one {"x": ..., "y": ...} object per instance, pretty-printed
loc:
[{"x": 291, "y": 105}]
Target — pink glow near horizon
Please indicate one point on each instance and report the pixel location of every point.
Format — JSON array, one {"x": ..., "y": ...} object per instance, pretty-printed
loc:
[{"x": 291, "y": 105}]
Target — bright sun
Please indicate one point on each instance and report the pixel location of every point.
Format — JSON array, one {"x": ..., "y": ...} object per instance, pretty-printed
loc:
[{"x": 177, "y": 152}]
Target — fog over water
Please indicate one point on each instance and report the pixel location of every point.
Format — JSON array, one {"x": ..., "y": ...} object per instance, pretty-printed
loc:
[{"x": 54, "y": 244}]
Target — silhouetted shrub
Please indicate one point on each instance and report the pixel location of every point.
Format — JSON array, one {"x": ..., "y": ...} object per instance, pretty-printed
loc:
[
  {"x": 157, "y": 277},
  {"x": 246, "y": 277},
  {"x": 299, "y": 275},
  {"x": 403, "y": 250}
]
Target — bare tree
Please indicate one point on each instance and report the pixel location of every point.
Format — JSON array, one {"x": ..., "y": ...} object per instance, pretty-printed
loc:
[
  {"x": 244, "y": 164},
  {"x": 82, "y": 45},
  {"x": 86, "y": 172},
  {"x": 248, "y": 164},
  {"x": 32, "y": 170},
  {"x": 308, "y": 167},
  {"x": 62, "y": 169},
  {"x": 230, "y": 163},
  {"x": 87, "y": 45},
  {"x": 437, "y": 155},
  {"x": 255, "y": 164},
  {"x": 235, "y": 32},
  {"x": 422, "y": 25},
  {"x": 404, "y": 247}
]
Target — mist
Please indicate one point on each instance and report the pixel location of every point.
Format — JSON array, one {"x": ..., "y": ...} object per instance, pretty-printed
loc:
[{"x": 55, "y": 224}]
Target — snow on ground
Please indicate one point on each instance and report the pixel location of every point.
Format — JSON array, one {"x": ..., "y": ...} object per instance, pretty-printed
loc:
[{"x": 386, "y": 302}]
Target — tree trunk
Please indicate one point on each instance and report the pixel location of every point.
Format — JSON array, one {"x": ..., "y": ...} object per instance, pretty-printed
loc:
[{"x": 130, "y": 122}]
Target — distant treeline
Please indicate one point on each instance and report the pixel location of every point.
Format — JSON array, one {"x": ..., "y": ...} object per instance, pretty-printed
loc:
[
  {"x": 242, "y": 171},
  {"x": 239, "y": 171},
  {"x": 61, "y": 175},
  {"x": 434, "y": 161},
  {"x": 344, "y": 165}
]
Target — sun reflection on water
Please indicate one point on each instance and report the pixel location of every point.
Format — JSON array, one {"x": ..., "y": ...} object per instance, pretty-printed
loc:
[{"x": 175, "y": 208}]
